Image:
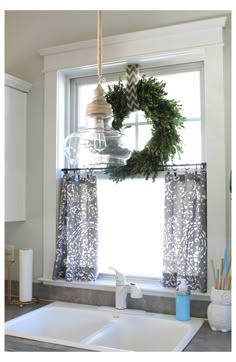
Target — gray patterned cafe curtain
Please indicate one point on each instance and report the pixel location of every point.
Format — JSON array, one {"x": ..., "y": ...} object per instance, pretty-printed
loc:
[
  {"x": 77, "y": 240},
  {"x": 185, "y": 234}
]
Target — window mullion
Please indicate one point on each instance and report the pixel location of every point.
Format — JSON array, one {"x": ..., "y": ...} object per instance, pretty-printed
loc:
[{"x": 136, "y": 130}]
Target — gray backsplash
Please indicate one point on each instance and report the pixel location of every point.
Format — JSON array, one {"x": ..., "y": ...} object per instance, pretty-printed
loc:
[{"x": 156, "y": 304}]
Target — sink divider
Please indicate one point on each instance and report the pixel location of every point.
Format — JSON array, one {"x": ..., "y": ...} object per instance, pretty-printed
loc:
[{"x": 90, "y": 338}]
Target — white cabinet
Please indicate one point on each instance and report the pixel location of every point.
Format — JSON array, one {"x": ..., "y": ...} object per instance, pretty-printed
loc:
[{"x": 15, "y": 147}]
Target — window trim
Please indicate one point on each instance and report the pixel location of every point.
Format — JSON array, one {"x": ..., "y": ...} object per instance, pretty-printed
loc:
[{"x": 195, "y": 41}]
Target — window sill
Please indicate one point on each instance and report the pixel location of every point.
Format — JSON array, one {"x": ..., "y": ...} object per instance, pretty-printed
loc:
[{"x": 148, "y": 288}]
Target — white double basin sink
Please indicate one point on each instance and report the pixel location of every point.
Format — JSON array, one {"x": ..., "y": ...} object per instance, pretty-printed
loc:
[{"x": 104, "y": 329}]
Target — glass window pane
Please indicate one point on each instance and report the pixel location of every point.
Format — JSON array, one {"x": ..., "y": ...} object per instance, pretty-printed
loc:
[
  {"x": 130, "y": 133},
  {"x": 191, "y": 135},
  {"x": 141, "y": 117},
  {"x": 130, "y": 119},
  {"x": 144, "y": 135},
  {"x": 85, "y": 95},
  {"x": 131, "y": 235},
  {"x": 185, "y": 88}
]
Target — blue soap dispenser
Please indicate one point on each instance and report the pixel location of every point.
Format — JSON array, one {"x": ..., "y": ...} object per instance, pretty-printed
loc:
[{"x": 183, "y": 301}]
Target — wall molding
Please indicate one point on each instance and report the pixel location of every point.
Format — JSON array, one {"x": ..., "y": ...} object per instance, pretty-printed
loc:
[
  {"x": 193, "y": 27},
  {"x": 17, "y": 83},
  {"x": 136, "y": 46}
]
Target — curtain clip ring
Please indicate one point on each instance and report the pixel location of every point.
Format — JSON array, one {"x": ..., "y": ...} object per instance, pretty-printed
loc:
[{"x": 174, "y": 170}]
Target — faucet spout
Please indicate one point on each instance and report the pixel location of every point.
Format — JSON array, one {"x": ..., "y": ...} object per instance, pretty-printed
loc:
[
  {"x": 122, "y": 290},
  {"x": 121, "y": 296}
]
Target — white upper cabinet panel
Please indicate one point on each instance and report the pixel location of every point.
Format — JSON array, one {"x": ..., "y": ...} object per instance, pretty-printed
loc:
[{"x": 15, "y": 148}]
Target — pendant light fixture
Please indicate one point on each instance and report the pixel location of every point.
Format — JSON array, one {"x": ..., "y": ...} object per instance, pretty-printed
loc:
[{"x": 97, "y": 145}]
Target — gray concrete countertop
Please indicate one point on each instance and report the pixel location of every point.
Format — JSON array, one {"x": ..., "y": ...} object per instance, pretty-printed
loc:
[{"x": 205, "y": 340}]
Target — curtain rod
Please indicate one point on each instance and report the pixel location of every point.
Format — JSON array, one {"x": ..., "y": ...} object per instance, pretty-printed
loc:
[{"x": 162, "y": 168}]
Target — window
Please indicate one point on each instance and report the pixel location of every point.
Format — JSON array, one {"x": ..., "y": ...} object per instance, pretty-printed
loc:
[
  {"x": 131, "y": 213},
  {"x": 174, "y": 46}
]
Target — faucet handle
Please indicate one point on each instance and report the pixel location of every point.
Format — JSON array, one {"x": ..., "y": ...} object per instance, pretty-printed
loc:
[
  {"x": 135, "y": 291},
  {"x": 120, "y": 278}
]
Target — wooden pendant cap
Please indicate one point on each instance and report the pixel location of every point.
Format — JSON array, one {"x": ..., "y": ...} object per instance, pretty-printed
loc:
[{"x": 99, "y": 106}]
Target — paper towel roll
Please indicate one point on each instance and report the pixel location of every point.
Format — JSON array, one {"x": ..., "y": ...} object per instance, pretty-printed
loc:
[{"x": 25, "y": 274}]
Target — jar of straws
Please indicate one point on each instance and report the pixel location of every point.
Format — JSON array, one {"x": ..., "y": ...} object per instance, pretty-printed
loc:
[{"x": 219, "y": 310}]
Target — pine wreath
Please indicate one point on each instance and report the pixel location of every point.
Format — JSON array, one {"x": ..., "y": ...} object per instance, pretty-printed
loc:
[{"x": 165, "y": 118}]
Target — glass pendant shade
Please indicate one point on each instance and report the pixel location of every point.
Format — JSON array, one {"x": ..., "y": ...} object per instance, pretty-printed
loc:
[{"x": 98, "y": 145}]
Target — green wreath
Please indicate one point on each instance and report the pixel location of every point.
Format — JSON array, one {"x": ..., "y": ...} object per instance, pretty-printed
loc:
[{"x": 166, "y": 120}]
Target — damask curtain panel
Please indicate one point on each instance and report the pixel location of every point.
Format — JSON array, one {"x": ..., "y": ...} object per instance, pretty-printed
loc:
[
  {"x": 77, "y": 240},
  {"x": 185, "y": 231}
]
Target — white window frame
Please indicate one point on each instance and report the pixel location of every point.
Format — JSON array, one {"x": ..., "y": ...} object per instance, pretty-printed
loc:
[
  {"x": 113, "y": 75},
  {"x": 184, "y": 43}
]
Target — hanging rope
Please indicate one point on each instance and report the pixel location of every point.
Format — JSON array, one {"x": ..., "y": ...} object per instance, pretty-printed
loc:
[{"x": 99, "y": 50}]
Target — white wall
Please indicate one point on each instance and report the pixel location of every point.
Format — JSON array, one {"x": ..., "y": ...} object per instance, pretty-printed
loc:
[
  {"x": 228, "y": 128},
  {"x": 24, "y": 61}
]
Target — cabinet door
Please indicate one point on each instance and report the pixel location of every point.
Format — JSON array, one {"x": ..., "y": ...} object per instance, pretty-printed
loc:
[{"x": 15, "y": 154}]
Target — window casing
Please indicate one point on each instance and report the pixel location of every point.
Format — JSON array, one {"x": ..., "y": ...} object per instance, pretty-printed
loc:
[{"x": 182, "y": 43}]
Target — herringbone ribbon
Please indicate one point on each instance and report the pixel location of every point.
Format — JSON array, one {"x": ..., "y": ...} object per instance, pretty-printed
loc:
[{"x": 132, "y": 77}]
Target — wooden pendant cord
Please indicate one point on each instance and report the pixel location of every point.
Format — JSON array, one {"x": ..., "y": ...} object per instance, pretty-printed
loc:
[
  {"x": 99, "y": 50},
  {"x": 99, "y": 107}
]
